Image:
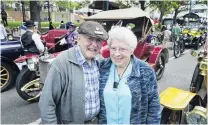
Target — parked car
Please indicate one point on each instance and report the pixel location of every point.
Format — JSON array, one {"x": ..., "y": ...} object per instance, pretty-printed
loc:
[
  {"x": 10, "y": 50},
  {"x": 155, "y": 56},
  {"x": 193, "y": 36}
]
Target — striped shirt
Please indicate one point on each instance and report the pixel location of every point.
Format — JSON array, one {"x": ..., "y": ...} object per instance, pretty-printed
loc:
[{"x": 91, "y": 77}]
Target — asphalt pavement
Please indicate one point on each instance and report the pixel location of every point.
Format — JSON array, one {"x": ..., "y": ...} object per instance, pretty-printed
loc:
[{"x": 178, "y": 73}]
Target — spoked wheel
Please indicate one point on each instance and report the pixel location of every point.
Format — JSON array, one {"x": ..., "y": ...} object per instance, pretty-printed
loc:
[
  {"x": 8, "y": 76},
  {"x": 28, "y": 85},
  {"x": 171, "y": 116},
  {"x": 4, "y": 76},
  {"x": 160, "y": 66},
  {"x": 176, "y": 49},
  {"x": 182, "y": 47}
]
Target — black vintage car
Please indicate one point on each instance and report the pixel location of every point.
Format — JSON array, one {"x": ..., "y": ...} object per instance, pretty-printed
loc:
[{"x": 10, "y": 50}]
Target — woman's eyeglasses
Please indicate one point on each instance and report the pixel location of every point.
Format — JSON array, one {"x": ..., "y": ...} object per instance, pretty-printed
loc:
[{"x": 120, "y": 49}]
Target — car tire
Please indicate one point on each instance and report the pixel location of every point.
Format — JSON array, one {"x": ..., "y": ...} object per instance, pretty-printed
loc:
[
  {"x": 158, "y": 64},
  {"x": 182, "y": 47},
  {"x": 22, "y": 79},
  {"x": 176, "y": 47},
  {"x": 196, "y": 47},
  {"x": 166, "y": 115},
  {"x": 9, "y": 75}
]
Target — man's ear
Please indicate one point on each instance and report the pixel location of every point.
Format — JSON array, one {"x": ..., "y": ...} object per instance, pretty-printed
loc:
[{"x": 78, "y": 39}]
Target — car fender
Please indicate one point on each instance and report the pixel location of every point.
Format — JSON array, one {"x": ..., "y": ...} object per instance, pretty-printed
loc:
[
  {"x": 7, "y": 60},
  {"x": 156, "y": 53}
]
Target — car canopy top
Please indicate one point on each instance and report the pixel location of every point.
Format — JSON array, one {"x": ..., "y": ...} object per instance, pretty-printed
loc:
[{"x": 138, "y": 17}]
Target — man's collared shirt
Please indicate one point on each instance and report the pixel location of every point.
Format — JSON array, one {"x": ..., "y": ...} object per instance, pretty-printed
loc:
[{"x": 91, "y": 77}]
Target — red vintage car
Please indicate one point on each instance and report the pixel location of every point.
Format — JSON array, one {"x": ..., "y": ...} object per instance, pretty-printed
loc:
[{"x": 156, "y": 56}]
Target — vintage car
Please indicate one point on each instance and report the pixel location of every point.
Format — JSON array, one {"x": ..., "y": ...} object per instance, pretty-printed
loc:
[
  {"x": 10, "y": 50},
  {"x": 193, "y": 35},
  {"x": 156, "y": 56}
]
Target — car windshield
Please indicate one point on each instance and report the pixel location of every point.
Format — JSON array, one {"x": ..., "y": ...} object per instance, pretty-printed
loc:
[{"x": 168, "y": 22}]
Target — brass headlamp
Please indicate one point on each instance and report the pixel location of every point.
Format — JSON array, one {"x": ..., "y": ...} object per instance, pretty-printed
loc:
[
  {"x": 203, "y": 66},
  {"x": 197, "y": 116}
]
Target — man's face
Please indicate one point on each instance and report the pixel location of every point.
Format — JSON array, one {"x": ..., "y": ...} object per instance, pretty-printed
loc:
[
  {"x": 71, "y": 28},
  {"x": 120, "y": 53},
  {"x": 89, "y": 46},
  {"x": 35, "y": 29}
]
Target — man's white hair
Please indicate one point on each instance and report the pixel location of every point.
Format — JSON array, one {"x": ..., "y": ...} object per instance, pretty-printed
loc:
[{"x": 122, "y": 34}]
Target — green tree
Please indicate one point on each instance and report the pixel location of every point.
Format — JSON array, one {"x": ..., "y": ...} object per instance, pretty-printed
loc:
[
  {"x": 70, "y": 5},
  {"x": 35, "y": 8},
  {"x": 176, "y": 6},
  {"x": 164, "y": 7}
]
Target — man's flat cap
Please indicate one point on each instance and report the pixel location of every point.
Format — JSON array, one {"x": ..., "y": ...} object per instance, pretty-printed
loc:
[
  {"x": 93, "y": 29},
  {"x": 29, "y": 23}
]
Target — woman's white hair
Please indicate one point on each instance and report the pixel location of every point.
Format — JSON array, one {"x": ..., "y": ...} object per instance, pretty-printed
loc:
[{"x": 122, "y": 34}]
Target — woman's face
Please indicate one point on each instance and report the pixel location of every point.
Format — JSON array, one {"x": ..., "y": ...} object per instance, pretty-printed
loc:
[{"x": 120, "y": 53}]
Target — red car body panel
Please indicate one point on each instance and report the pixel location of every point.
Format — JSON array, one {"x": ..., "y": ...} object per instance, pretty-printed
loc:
[
  {"x": 51, "y": 35},
  {"x": 25, "y": 57},
  {"x": 28, "y": 56}
]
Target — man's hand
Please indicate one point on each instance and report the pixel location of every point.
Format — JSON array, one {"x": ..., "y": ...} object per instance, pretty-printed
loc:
[{"x": 63, "y": 41}]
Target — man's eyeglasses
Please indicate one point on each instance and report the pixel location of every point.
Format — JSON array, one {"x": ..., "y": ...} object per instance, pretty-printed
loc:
[
  {"x": 120, "y": 49},
  {"x": 91, "y": 39}
]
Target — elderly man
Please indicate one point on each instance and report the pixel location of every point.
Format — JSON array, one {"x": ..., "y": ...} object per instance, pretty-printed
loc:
[{"x": 71, "y": 91}]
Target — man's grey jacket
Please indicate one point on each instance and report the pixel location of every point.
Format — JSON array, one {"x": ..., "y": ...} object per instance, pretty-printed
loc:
[{"x": 63, "y": 97}]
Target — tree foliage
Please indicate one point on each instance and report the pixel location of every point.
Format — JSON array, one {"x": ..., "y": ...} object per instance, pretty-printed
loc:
[
  {"x": 164, "y": 7},
  {"x": 176, "y": 5},
  {"x": 71, "y": 4}
]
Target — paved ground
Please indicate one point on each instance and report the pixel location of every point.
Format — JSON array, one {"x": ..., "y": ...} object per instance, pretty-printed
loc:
[{"x": 14, "y": 110}]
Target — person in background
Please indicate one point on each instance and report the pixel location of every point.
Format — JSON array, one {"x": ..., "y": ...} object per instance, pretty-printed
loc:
[
  {"x": 128, "y": 86},
  {"x": 3, "y": 33},
  {"x": 166, "y": 38},
  {"x": 4, "y": 17},
  {"x": 72, "y": 34},
  {"x": 62, "y": 25},
  {"x": 51, "y": 26},
  {"x": 23, "y": 28},
  {"x": 30, "y": 40},
  {"x": 71, "y": 91},
  {"x": 176, "y": 30}
]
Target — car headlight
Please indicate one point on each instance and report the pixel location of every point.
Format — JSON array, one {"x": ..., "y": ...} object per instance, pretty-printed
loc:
[
  {"x": 203, "y": 66},
  {"x": 32, "y": 64},
  {"x": 193, "y": 53},
  {"x": 10, "y": 37},
  {"x": 197, "y": 116},
  {"x": 185, "y": 35}
]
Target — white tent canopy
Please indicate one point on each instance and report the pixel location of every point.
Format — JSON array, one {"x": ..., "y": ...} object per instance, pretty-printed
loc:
[
  {"x": 86, "y": 9},
  {"x": 202, "y": 15},
  {"x": 129, "y": 13}
]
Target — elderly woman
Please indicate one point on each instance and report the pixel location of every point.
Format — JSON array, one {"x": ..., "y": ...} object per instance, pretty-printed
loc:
[{"x": 128, "y": 86}]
